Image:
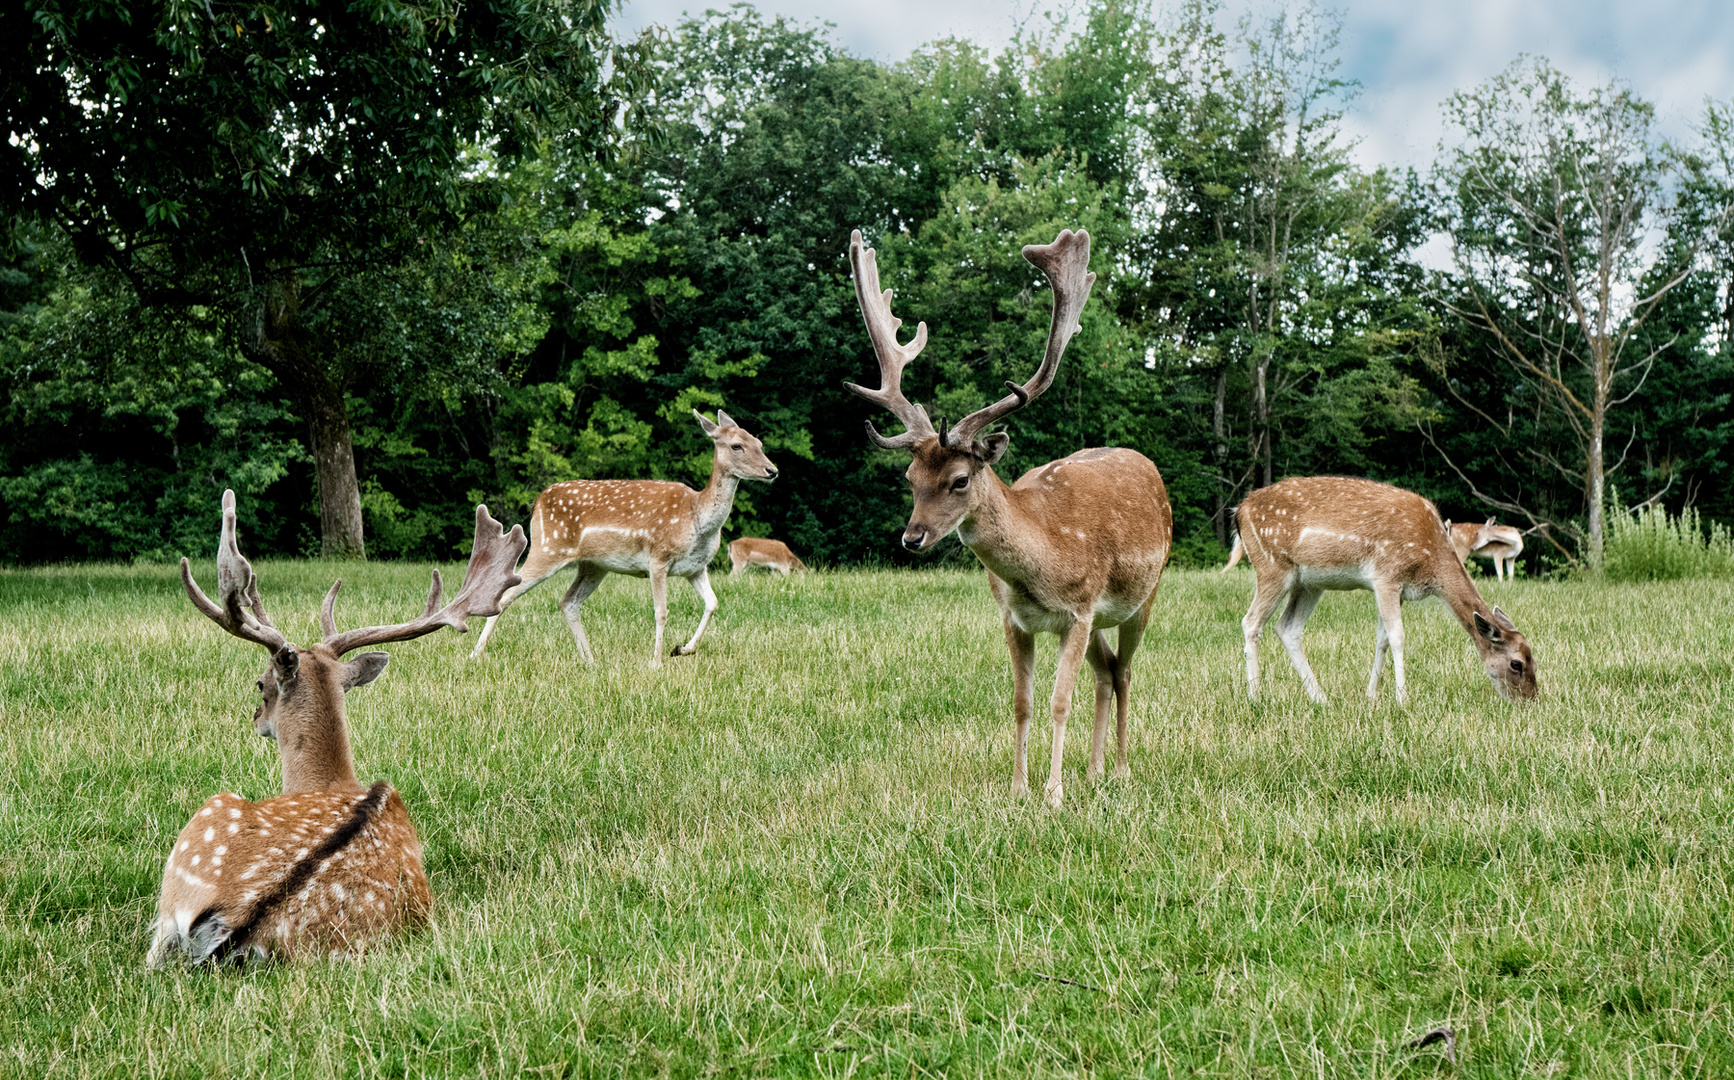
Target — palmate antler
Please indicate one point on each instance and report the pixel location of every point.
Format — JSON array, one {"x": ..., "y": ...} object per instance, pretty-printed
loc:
[
  {"x": 239, "y": 610},
  {"x": 236, "y": 586},
  {"x": 882, "y": 331},
  {"x": 487, "y": 577},
  {"x": 1066, "y": 262}
]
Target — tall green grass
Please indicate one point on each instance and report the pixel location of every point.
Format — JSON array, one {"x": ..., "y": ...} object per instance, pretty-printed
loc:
[
  {"x": 1649, "y": 544},
  {"x": 795, "y": 853}
]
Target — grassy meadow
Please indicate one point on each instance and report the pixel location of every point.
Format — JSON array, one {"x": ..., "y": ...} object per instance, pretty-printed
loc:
[{"x": 795, "y": 853}]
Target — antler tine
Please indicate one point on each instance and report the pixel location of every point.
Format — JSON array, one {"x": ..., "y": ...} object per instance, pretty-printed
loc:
[
  {"x": 238, "y": 608},
  {"x": 1066, "y": 262},
  {"x": 882, "y": 329},
  {"x": 487, "y": 577}
]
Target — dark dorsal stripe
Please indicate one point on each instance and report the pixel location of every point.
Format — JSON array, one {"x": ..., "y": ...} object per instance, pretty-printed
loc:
[{"x": 366, "y": 810}]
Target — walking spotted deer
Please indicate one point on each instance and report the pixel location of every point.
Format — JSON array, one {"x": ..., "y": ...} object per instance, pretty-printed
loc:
[
  {"x": 328, "y": 866},
  {"x": 1074, "y": 548},
  {"x": 1500, "y": 543},
  {"x": 643, "y": 528},
  {"x": 773, "y": 555},
  {"x": 1309, "y": 534}
]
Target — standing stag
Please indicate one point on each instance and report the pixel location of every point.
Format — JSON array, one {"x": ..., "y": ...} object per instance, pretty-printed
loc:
[
  {"x": 1500, "y": 543},
  {"x": 773, "y": 555},
  {"x": 328, "y": 866},
  {"x": 643, "y": 528},
  {"x": 1309, "y": 534},
  {"x": 1074, "y": 548}
]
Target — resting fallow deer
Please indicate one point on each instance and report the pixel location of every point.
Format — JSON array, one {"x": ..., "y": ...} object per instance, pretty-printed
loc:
[
  {"x": 771, "y": 554},
  {"x": 1074, "y": 548},
  {"x": 1309, "y": 534},
  {"x": 1500, "y": 543},
  {"x": 642, "y": 528},
  {"x": 328, "y": 866}
]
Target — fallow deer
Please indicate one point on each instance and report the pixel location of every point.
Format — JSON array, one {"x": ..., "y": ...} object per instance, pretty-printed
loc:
[
  {"x": 328, "y": 866},
  {"x": 773, "y": 555},
  {"x": 1308, "y": 534},
  {"x": 1074, "y": 548},
  {"x": 642, "y": 528},
  {"x": 1500, "y": 543}
]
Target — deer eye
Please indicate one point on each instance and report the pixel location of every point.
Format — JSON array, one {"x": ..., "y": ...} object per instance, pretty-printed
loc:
[
  {"x": 960, "y": 483},
  {"x": 261, "y": 685},
  {"x": 737, "y": 448},
  {"x": 1517, "y": 666}
]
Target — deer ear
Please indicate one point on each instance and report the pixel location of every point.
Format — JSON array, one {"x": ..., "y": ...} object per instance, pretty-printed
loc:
[
  {"x": 709, "y": 428},
  {"x": 723, "y": 419},
  {"x": 990, "y": 448},
  {"x": 1447, "y": 524},
  {"x": 1487, "y": 629},
  {"x": 1503, "y": 621},
  {"x": 364, "y": 669},
  {"x": 286, "y": 663}
]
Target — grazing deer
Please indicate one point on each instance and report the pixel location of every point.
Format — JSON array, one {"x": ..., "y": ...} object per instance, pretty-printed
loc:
[
  {"x": 644, "y": 528},
  {"x": 770, "y": 554},
  {"x": 1500, "y": 543},
  {"x": 1309, "y": 534},
  {"x": 1074, "y": 548},
  {"x": 328, "y": 866}
]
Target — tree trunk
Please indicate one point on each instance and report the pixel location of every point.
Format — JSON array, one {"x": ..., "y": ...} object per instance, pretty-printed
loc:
[
  {"x": 1220, "y": 428},
  {"x": 277, "y": 340}
]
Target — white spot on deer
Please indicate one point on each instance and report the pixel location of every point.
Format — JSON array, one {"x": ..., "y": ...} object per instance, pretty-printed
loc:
[
  {"x": 183, "y": 846},
  {"x": 206, "y": 812},
  {"x": 196, "y": 859},
  {"x": 222, "y": 849}
]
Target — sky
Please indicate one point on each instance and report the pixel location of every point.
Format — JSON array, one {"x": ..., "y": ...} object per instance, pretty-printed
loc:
[{"x": 1408, "y": 56}]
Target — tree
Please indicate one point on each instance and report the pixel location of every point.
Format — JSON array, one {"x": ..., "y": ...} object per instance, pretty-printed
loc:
[
  {"x": 1556, "y": 208},
  {"x": 250, "y": 158}
]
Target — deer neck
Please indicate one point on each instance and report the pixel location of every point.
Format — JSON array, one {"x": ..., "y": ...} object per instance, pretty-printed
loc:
[
  {"x": 713, "y": 504},
  {"x": 314, "y": 742},
  {"x": 1462, "y": 597},
  {"x": 994, "y": 528}
]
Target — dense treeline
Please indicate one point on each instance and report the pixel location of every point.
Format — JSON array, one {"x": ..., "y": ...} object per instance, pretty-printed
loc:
[{"x": 563, "y": 291}]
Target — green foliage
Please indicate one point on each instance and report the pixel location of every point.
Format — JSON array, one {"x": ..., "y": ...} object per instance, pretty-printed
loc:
[{"x": 1649, "y": 544}]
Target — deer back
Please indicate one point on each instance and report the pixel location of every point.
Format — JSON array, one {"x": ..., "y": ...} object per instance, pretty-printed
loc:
[
  {"x": 1342, "y": 523},
  {"x": 302, "y": 874},
  {"x": 613, "y": 522}
]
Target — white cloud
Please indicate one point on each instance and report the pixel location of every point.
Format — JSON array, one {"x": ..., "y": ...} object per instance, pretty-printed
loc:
[{"x": 1408, "y": 56}]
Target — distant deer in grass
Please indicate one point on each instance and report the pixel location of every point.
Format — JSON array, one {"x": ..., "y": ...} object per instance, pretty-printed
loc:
[
  {"x": 1500, "y": 543},
  {"x": 771, "y": 554},
  {"x": 1074, "y": 548},
  {"x": 1309, "y": 534},
  {"x": 642, "y": 528},
  {"x": 328, "y": 866}
]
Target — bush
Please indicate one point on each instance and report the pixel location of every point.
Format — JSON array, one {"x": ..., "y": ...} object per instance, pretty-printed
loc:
[{"x": 1649, "y": 545}]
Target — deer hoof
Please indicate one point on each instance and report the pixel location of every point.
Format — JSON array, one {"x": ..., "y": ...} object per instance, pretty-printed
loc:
[{"x": 1055, "y": 793}]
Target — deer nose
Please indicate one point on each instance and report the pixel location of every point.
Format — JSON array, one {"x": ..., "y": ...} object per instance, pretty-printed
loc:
[
  {"x": 770, "y": 472},
  {"x": 914, "y": 539}
]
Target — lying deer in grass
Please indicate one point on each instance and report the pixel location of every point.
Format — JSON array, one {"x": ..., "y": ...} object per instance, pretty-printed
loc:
[
  {"x": 1074, "y": 548},
  {"x": 643, "y": 528},
  {"x": 771, "y": 554},
  {"x": 1500, "y": 543},
  {"x": 1309, "y": 534},
  {"x": 328, "y": 866}
]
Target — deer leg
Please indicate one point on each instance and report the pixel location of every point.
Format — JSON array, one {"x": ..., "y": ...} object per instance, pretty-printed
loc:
[
  {"x": 1380, "y": 640},
  {"x": 1269, "y": 592},
  {"x": 700, "y": 585},
  {"x": 1023, "y": 656},
  {"x": 735, "y": 565},
  {"x": 1103, "y": 663},
  {"x": 1131, "y": 633},
  {"x": 533, "y": 572},
  {"x": 659, "y": 604},
  {"x": 582, "y": 586},
  {"x": 1391, "y": 614},
  {"x": 1301, "y": 601},
  {"x": 1073, "y": 645}
]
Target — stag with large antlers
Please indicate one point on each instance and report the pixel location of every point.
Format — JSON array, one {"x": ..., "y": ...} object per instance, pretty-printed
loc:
[
  {"x": 641, "y": 528},
  {"x": 1074, "y": 548},
  {"x": 1309, "y": 534},
  {"x": 328, "y": 866}
]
